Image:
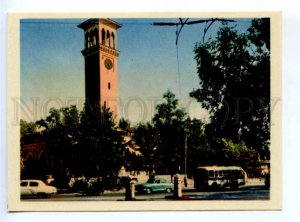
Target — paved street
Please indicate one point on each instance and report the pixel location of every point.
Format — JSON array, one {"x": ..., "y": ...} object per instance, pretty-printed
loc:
[{"x": 247, "y": 192}]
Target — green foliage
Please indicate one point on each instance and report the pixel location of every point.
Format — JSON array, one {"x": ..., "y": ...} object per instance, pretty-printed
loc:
[
  {"x": 101, "y": 144},
  {"x": 230, "y": 153},
  {"x": 124, "y": 124},
  {"x": 169, "y": 122},
  {"x": 28, "y": 131},
  {"x": 85, "y": 143},
  {"x": 259, "y": 33},
  {"x": 168, "y": 113},
  {"x": 147, "y": 138},
  {"x": 199, "y": 151},
  {"x": 234, "y": 73},
  {"x": 27, "y": 128}
]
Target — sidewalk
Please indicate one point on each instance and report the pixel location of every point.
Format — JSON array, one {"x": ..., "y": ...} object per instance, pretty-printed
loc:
[{"x": 255, "y": 181}]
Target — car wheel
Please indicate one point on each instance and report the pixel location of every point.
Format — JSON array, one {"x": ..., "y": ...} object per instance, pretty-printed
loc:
[
  {"x": 148, "y": 191},
  {"x": 234, "y": 186},
  {"x": 168, "y": 190},
  {"x": 101, "y": 191},
  {"x": 214, "y": 186},
  {"x": 41, "y": 195}
]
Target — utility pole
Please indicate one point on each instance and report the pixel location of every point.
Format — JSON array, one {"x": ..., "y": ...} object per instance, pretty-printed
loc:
[{"x": 185, "y": 160}]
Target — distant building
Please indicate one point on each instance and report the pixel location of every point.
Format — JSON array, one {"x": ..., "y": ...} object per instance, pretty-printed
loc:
[
  {"x": 36, "y": 159},
  {"x": 101, "y": 63}
]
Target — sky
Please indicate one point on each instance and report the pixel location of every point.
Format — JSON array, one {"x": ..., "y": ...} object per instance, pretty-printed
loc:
[{"x": 52, "y": 66}]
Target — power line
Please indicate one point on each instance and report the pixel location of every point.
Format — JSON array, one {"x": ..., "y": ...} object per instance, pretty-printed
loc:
[
  {"x": 31, "y": 21},
  {"x": 182, "y": 23}
]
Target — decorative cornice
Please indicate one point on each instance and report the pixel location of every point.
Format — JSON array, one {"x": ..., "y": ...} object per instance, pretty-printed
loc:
[
  {"x": 91, "y": 22},
  {"x": 101, "y": 48}
]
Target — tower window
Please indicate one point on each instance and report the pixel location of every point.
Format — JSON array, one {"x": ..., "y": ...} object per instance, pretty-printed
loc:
[
  {"x": 108, "y": 38},
  {"x": 94, "y": 40},
  {"x": 103, "y": 37},
  {"x": 109, "y": 85},
  {"x": 95, "y": 36},
  {"x": 86, "y": 40},
  {"x": 113, "y": 41}
]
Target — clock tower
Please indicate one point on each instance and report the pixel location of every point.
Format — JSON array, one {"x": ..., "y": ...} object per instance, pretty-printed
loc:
[{"x": 101, "y": 63}]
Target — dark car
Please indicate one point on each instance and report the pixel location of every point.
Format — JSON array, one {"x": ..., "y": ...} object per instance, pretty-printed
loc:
[{"x": 155, "y": 185}]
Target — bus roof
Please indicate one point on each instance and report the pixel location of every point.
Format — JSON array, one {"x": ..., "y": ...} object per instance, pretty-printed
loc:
[{"x": 220, "y": 168}]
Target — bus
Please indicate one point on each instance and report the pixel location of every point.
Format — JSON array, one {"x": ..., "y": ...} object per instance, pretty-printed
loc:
[{"x": 219, "y": 177}]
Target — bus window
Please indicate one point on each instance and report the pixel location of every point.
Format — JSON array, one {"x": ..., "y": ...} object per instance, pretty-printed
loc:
[
  {"x": 211, "y": 173},
  {"x": 221, "y": 173},
  {"x": 216, "y": 173}
]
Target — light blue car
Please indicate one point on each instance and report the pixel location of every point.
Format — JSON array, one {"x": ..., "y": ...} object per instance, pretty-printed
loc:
[{"x": 155, "y": 185}]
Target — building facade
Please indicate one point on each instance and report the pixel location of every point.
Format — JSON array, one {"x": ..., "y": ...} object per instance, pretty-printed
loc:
[{"x": 101, "y": 63}]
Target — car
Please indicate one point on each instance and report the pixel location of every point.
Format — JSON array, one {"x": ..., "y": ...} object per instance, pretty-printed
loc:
[
  {"x": 155, "y": 185},
  {"x": 36, "y": 188}
]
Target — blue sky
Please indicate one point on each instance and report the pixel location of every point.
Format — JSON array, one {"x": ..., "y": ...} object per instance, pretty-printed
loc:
[{"x": 52, "y": 66}]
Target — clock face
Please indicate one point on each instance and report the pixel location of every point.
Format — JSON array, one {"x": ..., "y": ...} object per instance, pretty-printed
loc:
[{"x": 108, "y": 63}]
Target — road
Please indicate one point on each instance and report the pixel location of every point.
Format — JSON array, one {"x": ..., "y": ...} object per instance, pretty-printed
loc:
[{"x": 247, "y": 192}]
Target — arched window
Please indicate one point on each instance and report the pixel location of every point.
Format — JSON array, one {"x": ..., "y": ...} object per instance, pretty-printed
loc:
[
  {"x": 95, "y": 37},
  {"x": 94, "y": 40},
  {"x": 91, "y": 36},
  {"x": 109, "y": 85},
  {"x": 113, "y": 41},
  {"x": 103, "y": 37},
  {"x": 86, "y": 40},
  {"x": 108, "y": 38}
]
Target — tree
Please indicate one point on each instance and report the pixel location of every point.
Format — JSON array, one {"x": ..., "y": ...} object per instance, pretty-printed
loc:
[
  {"x": 234, "y": 73},
  {"x": 147, "y": 139},
  {"x": 27, "y": 128},
  {"x": 28, "y": 131},
  {"x": 231, "y": 153},
  {"x": 169, "y": 122},
  {"x": 199, "y": 151},
  {"x": 101, "y": 149},
  {"x": 132, "y": 158},
  {"x": 86, "y": 142},
  {"x": 124, "y": 124},
  {"x": 60, "y": 131}
]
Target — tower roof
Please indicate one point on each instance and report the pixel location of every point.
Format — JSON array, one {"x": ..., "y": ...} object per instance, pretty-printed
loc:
[{"x": 88, "y": 23}]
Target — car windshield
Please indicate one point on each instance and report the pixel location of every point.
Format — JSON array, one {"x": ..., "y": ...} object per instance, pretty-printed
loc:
[{"x": 150, "y": 181}]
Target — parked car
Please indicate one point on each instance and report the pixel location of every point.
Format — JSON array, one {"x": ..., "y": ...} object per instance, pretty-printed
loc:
[
  {"x": 36, "y": 188},
  {"x": 155, "y": 185}
]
